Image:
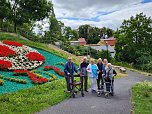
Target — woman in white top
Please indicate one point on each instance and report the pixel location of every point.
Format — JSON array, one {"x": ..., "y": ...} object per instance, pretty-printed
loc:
[{"x": 92, "y": 70}]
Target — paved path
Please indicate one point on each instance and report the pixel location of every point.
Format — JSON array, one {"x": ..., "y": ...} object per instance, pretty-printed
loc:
[{"x": 91, "y": 104}]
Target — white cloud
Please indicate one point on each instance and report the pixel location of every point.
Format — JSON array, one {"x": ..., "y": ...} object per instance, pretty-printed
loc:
[{"x": 112, "y": 20}]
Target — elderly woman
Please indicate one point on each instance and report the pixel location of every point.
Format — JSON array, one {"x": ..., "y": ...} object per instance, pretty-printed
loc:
[
  {"x": 92, "y": 70},
  {"x": 100, "y": 82},
  {"x": 108, "y": 78},
  {"x": 83, "y": 74}
]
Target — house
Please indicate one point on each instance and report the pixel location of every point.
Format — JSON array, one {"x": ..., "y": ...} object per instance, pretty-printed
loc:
[
  {"x": 109, "y": 41},
  {"x": 81, "y": 42},
  {"x": 100, "y": 48}
]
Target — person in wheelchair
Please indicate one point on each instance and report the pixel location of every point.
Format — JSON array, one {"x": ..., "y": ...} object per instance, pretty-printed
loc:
[{"x": 69, "y": 70}]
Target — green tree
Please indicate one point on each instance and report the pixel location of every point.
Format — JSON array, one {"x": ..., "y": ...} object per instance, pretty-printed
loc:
[
  {"x": 134, "y": 38},
  {"x": 25, "y": 11},
  {"x": 5, "y": 11},
  {"x": 70, "y": 34},
  {"x": 84, "y": 31},
  {"x": 55, "y": 30}
]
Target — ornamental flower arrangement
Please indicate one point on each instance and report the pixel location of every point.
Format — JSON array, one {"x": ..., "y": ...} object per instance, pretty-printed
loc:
[
  {"x": 6, "y": 51},
  {"x": 20, "y": 72},
  {"x": 20, "y": 56},
  {"x": 36, "y": 80},
  {"x": 58, "y": 71},
  {"x": 34, "y": 56},
  {"x": 8, "y": 42},
  {"x": 5, "y": 64},
  {"x": 14, "y": 80},
  {"x": 47, "y": 67}
]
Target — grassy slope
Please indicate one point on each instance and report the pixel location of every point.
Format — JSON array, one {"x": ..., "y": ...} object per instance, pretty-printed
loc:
[
  {"x": 39, "y": 97},
  {"x": 142, "y": 98}
]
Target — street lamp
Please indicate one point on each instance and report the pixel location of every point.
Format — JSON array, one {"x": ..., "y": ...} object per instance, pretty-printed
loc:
[{"x": 107, "y": 48}]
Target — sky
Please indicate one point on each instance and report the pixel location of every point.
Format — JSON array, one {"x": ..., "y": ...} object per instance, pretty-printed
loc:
[{"x": 100, "y": 13}]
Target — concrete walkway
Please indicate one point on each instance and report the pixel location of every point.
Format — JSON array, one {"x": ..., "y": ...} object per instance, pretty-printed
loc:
[{"x": 91, "y": 104}]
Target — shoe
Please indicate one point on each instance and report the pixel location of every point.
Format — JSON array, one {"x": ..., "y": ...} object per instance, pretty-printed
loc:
[{"x": 86, "y": 91}]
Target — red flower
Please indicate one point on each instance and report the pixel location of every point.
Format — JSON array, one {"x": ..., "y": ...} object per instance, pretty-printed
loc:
[
  {"x": 5, "y": 64},
  {"x": 20, "y": 72},
  {"x": 34, "y": 56},
  {"x": 6, "y": 51},
  {"x": 36, "y": 79},
  {"x": 8, "y": 42},
  {"x": 58, "y": 71},
  {"x": 47, "y": 67}
]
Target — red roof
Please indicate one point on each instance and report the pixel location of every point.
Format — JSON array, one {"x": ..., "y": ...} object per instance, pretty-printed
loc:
[{"x": 81, "y": 40}]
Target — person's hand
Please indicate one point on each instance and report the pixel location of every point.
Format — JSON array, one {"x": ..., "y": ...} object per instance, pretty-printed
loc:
[{"x": 68, "y": 73}]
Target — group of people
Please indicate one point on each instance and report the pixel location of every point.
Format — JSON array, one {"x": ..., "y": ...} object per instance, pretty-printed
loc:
[{"x": 96, "y": 72}]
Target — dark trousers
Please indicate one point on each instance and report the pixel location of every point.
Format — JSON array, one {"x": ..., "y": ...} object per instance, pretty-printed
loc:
[
  {"x": 84, "y": 82},
  {"x": 109, "y": 84},
  {"x": 100, "y": 81},
  {"x": 69, "y": 81}
]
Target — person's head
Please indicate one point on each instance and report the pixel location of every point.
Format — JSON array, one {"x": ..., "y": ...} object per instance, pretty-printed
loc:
[
  {"x": 70, "y": 59},
  {"x": 84, "y": 59},
  {"x": 105, "y": 61},
  {"x": 99, "y": 60},
  {"x": 92, "y": 61},
  {"x": 109, "y": 65}
]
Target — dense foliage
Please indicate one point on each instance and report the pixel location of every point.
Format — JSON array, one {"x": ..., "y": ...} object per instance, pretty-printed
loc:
[{"x": 134, "y": 41}]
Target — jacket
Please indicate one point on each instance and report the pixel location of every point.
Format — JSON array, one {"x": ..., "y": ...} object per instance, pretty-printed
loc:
[{"x": 68, "y": 69}]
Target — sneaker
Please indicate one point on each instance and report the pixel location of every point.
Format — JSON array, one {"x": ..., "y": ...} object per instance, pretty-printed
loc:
[{"x": 86, "y": 91}]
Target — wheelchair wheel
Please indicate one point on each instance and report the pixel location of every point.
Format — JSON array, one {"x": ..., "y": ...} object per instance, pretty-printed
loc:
[
  {"x": 106, "y": 95},
  {"x": 99, "y": 94}
]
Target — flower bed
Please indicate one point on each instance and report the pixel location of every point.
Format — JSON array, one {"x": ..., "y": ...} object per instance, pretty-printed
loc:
[
  {"x": 8, "y": 42},
  {"x": 58, "y": 71},
  {"x": 20, "y": 72},
  {"x": 47, "y": 67},
  {"x": 35, "y": 79},
  {"x": 34, "y": 56},
  {"x": 6, "y": 51},
  {"x": 53, "y": 77},
  {"x": 5, "y": 64},
  {"x": 20, "y": 56},
  {"x": 14, "y": 80}
]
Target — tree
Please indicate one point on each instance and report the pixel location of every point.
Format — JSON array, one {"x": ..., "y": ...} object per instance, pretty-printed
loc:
[
  {"x": 134, "y": 38},
  {"x": 55, "y": 29},
  {"x": 25, "y": 11},
  {"x": 84, "y": 31},
  {"x": 5, "y": 11},
  {"x": 70, "y": 34}
]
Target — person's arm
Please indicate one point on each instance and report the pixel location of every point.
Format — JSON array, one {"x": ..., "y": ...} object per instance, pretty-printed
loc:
[
  {"x": 75, "y": 69},
  {"x": 66, "y": 69},
  {"x": 114, "y": 72},
  {"x": 88, "y": 69}
]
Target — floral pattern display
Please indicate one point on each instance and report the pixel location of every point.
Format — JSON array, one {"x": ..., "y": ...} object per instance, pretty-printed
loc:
[
  {"x": 6, "y": 51},
  {"x": 36, "y": 79},
  {"x": 5, "y": 64},
  {"x": 22, "y": 66},
  {"x": 24, "y": 57},
  {"x": 8, "y": 42},
  {"x": 34, "y": 56}
]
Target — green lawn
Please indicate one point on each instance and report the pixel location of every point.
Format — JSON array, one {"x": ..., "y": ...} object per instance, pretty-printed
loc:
[
  {"x": 142, "y": 98},
  {"x": 34, "y": 99}
]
